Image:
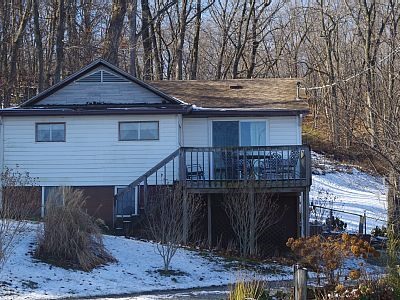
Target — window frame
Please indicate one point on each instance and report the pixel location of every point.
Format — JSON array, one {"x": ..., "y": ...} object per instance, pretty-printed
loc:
[
  {"x": 136, "y": 202},
  {"x": 50, "y": 123},
  {"x": 139, "y": 129},
  {"x": 44, "y": 198}
]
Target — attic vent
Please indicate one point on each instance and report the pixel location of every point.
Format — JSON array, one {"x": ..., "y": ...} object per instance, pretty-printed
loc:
[
  {"x": 94, "y": 77},
  {"x": 109, "y": 77},
  {"x": 236, "y": 87},
  {"x": 102, "y": 76}
]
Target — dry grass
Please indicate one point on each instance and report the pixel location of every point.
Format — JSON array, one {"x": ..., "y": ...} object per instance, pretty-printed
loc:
[
  {"x": 247, "y": 288},
  {"x": 70, "y": 237}
]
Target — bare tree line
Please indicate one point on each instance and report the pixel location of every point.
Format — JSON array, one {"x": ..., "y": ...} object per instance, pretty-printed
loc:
[{"x": 350, "y": 48}]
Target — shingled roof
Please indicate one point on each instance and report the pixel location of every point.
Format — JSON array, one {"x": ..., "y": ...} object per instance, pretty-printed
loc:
[{"x": 250, "y": 94}]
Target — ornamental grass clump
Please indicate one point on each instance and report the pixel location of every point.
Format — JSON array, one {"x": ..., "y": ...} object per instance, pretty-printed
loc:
[
  {"x": 247, "y": 287},
  {"x": 70, "y": 238}
]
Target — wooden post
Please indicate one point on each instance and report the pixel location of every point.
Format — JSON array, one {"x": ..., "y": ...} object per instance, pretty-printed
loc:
[
  {"x": 361, "y": 225},
  {"x": 145, "y": 193},
  {"x": 300, "y": 283},
  {"x": 209, "y": 224},
  {"x": 305, "y": 225},
  {"x": 365, "y": 222},
  {"x": 330, "y": 221},
  {"x": 185, "y": 218},
  {"x": 252, "y": 223}
]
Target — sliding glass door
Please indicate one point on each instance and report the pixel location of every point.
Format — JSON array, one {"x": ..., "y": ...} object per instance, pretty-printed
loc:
[
  {"x": 239, "y": 133},
  {"x": 226, "y": 134}
]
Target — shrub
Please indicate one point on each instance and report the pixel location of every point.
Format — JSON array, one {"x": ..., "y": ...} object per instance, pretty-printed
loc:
[
  {"x": 17, "y": 204},
  {"x": 327, "y": 255},
  {"x": 170, "y": 219},
  {"x": 70, "y": 237}
]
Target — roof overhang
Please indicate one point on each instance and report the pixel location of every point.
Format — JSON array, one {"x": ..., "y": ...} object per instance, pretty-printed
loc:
[
  {"x": 202, "y": 113},
  {"x": 186, "y": 110},
  {"x": 20, "y": 112}
]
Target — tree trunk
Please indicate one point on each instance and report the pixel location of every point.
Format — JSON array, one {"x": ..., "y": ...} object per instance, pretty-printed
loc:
[
  {"x": 132, "y": 37},
  {"x": 88, "y": 51},
  {"x": 16, "y": 43},
  {"x": 394, "y": 202},
  {"x": 60, "y": 41},
  {"x": 39, "y": 45},
  {"x": 146, "y": 40},
  {"x": 114, "y": 30},
  {"x": 181, "y": 41},
  {"x": 196, "y": 39}
]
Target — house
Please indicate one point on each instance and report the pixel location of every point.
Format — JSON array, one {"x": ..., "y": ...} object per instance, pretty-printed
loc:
[{"x": 115, "y": 137}]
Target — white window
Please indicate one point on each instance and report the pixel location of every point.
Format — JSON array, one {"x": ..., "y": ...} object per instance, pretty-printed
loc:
[
  {"x": 136, "y": 131},
  {"x": 50, "y": 132}
]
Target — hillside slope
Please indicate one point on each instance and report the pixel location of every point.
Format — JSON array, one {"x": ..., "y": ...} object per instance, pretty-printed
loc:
[{"x": 346, "y": 188}]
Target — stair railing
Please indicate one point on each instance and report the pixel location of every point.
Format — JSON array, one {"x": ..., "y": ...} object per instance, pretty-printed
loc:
[{"x": 136, "y": 193}]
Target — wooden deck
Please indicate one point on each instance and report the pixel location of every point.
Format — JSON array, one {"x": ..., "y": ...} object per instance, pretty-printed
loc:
[
  {"x": 212, "y": 170},
  {"x": 216, "y": 170}
]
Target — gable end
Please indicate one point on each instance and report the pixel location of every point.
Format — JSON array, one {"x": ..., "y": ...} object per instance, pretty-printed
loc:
[{"x": 86, "y": 87}]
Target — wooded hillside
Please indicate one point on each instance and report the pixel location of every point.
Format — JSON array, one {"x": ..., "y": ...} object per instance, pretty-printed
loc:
[{"x": 346, "y": 51}]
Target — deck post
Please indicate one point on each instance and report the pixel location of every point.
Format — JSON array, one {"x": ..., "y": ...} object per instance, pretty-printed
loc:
[
  {"x": 305, "y": 214},
  {"x": 185, "y": 217},
  {"x": 209, "y": 224},
  {"x": 145, "y": 194},
  {"x": 252, "y": 223}
]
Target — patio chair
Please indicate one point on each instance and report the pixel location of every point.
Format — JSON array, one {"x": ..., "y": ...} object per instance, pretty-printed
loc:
[
  {"x": 271, "y": 167},
  {"x": 194, "y": 171},
  {"x": 290, "y": 163}
]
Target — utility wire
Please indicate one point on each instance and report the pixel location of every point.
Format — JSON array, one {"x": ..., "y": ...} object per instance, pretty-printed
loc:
[{"x": 395, "y": 51}]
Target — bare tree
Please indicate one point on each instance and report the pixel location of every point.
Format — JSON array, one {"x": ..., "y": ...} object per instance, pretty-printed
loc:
[
  {"x": 15, "y": 47},
  {"x": 250, "y": 215},
  {"x": 171, "y": 216},
  {"x": 18, "y": 195}
]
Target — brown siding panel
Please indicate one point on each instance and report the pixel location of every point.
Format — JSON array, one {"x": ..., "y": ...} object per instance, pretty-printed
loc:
[{"x": 99, "y": 202}]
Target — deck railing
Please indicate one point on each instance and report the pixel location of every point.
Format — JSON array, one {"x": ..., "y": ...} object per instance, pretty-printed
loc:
[
  {"x": 269, "y": 166},
  {"x": 221, "y": 167}
]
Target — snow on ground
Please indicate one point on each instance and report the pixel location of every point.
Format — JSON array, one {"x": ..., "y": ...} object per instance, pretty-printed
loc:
[
  {"x": 349, "y": 190},
  {"x": 345, "y": 188},
  {"x": 136, "y": 271}
]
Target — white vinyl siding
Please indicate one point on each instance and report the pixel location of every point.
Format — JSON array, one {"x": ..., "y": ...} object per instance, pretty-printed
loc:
[
  {"x": 195, "y": 132},
  {"x": 280, "y": 130},
  {"x": 284, "y": 131},
  {"x": 92, "y": 153},
  {"x": 81, "y": 93}
]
